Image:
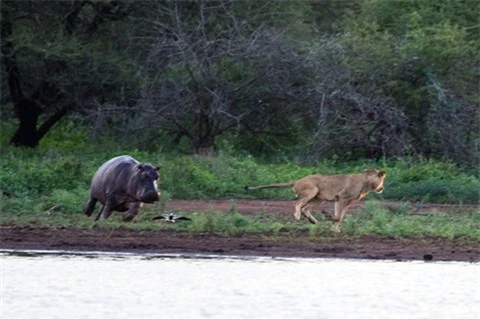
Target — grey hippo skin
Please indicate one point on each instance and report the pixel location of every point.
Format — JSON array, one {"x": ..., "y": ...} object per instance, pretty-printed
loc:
[{"x": 123, "y": 184}]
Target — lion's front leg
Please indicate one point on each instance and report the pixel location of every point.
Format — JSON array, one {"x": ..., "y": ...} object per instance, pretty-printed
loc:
[{"x": 341, "y": 208}]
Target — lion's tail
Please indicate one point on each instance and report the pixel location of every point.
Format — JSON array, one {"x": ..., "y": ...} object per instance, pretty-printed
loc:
[{"x": 278, "y": 185}]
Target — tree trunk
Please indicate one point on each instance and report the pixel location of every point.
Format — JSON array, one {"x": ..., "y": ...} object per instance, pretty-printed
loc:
[
  {"x": 27, "y": 113},
  {"x": 205, "y": 145},
  {"x": 207, "y": 151},
  {"x": 28, "y": 110}
]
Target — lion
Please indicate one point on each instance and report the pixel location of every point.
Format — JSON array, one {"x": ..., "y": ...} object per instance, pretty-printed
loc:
[{"x": 343, "y": 190}]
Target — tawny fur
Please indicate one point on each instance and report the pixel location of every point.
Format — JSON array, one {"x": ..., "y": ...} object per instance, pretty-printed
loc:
[{"x": 343, "y": 190}]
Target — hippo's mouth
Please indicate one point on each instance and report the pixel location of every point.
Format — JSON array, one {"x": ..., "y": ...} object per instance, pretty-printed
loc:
[
  {"x": 151, "y": 198},
  {"x": 151, "y": 201}
]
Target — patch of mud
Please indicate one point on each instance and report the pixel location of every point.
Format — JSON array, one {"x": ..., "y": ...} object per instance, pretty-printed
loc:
[{"x": 280, "y": 245}]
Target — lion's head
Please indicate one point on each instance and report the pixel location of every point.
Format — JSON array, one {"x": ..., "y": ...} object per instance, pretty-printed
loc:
[{"x": 376, "y": 178}]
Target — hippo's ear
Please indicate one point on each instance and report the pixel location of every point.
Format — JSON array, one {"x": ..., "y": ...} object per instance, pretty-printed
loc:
[
  {"x": 382, "y": 174},
  {"x": 157, "y": 168}
]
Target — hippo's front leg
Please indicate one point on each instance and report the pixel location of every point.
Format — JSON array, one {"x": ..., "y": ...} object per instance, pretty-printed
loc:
[{"x": 133, "y": 210}]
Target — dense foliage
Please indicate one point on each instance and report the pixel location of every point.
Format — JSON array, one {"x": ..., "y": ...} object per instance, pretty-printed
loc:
[{"x": 301, "y": 81}]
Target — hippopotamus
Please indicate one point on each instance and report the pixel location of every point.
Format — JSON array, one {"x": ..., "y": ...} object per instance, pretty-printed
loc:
[{"x": 123, "y": 184}]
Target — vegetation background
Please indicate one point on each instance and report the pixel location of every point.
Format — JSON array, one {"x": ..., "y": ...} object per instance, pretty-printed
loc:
[{"x": 222, "y": 94}]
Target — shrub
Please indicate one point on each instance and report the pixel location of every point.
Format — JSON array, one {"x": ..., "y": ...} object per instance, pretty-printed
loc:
[{"x": 40, "y": 179}]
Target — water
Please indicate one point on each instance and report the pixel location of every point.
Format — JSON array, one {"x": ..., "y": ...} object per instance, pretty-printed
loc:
[{"x": 155, "y": 286}]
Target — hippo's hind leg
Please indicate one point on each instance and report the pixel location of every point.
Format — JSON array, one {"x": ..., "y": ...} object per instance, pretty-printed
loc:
[
  {"x": 88, "y": 210},
  {"x": 106, "y": 209},
  {"x": 133, "y": 210},
  {"x": 99, "y": 213}
]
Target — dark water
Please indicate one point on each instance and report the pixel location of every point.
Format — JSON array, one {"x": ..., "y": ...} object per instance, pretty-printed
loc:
[{"x": 155, "y": 286}]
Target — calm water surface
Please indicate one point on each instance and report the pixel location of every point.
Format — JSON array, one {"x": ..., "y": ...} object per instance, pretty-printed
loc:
[{"x": 152, "y": 286}]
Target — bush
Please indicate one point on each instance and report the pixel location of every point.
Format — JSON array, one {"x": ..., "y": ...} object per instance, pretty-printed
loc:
[
  {"x": 36, "y": 180},
  {"x": 67, "y": 201},
  {"x": 431, "y": 181}
]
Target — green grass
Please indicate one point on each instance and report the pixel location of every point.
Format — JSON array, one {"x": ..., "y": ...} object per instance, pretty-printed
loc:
[
  {"x": 396, "y": 223},
  {"x": 49, "y": 186}
]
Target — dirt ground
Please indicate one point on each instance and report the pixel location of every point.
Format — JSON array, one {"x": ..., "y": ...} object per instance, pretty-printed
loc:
[{"x": 279, "y": 245}]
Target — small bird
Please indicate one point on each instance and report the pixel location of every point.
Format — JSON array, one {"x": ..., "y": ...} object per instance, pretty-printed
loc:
[{"x": 171, "y": 218}]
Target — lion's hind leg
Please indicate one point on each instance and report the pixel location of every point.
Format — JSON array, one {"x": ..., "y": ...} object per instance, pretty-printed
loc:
[
  {"x": 305, "y": 198},
  {"x": 306, "y": 211}
]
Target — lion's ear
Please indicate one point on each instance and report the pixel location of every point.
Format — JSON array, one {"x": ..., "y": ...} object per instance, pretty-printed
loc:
[{"x": 382, "y": 173}]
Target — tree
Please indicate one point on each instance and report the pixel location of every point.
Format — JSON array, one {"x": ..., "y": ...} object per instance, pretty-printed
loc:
[
  {"x": 214, "y": 69},
  {"x": 53, "y": 60},
  {"x": 427, "y": 68}
]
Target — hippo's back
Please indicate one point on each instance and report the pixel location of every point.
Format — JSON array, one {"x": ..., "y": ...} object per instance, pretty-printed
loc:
[{"x": 112, "y": 176}]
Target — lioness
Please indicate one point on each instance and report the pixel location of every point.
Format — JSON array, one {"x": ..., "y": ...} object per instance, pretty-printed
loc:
[{"x": 313, "y": 190}]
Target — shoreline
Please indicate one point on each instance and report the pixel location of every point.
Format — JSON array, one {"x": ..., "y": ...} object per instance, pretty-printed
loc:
[{"x": 285, "y": 245}]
